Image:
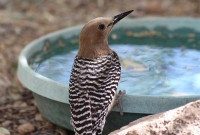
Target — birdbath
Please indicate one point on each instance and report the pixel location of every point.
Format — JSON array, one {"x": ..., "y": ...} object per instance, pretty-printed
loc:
[{"x": 160, "y": 60}]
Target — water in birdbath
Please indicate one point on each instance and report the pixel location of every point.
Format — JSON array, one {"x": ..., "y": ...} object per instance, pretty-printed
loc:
[{"x": 146, "y": 70}]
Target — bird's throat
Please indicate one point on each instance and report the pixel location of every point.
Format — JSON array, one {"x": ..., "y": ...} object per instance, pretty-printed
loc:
[{"x": 94, "y": 50}]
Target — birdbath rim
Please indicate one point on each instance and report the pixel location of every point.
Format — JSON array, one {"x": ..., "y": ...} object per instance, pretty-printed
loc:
[{"x": 53, "y": 90}]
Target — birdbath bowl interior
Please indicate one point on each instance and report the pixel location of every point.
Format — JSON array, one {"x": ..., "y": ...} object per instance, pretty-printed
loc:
[{"x": 160, "y": 60}]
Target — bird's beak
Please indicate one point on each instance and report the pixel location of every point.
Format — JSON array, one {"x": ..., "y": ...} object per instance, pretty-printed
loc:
[{"x": 117, "y": 18}]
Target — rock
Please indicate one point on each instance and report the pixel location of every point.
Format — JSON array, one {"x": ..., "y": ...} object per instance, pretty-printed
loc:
[
  {"x": 20, "y": 104},
  {"x": 39, "y": 117},
  {"x": 34, "y": 102},
  {"x": 6, "y": 123},
  {"x": 184, "y": 120},
  {"x": 4, "y": 131},
  {"x": 60, "y": 131},
  {"x": 22, "y": 121},
  {"x": 26, "y": 128}
]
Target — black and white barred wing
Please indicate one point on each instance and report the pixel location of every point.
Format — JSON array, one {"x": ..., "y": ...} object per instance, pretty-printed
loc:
[{"x": 93, "y": 84}]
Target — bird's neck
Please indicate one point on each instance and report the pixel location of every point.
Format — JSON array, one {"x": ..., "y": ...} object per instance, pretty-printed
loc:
[{"x": 94, "y": 50}]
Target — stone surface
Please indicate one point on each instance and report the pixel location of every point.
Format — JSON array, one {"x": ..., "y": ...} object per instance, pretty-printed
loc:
[
  {"x": 25, "y": 128},
  {"x": 39, "y": 117},
  {"x": 184, "y": 120}
]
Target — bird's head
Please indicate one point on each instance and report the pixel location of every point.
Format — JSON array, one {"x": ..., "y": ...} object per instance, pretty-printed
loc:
[{"x": 93, "y": 37}]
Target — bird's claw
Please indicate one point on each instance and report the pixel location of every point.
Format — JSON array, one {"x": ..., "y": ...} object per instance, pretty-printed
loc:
[{"x": 119, "y": 100}]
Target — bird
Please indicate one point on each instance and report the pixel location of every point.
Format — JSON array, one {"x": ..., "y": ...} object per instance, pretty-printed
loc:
[{"x": 94, "y": 77}]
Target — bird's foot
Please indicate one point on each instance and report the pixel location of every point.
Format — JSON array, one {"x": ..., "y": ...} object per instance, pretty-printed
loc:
[{"x": 119, "y": 100}]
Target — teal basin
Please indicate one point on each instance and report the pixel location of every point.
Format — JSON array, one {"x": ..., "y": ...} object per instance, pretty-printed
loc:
[{"x": 52, "y": 96}]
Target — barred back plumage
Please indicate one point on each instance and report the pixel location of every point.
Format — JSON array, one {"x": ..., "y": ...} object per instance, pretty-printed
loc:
[{"x": 93, "y": 84}]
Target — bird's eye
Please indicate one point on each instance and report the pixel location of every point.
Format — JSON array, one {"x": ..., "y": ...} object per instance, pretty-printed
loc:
[{"x": 102, "y": 26}]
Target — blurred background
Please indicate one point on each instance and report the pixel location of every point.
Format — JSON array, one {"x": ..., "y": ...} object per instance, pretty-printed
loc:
[{"x": 22, "y": 21}]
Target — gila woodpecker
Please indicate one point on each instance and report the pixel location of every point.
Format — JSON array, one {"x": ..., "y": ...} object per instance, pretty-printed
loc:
[{"x": 94, "y": 77}]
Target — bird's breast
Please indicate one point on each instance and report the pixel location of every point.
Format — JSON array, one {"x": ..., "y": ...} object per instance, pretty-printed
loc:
[{"x": 92, "y": 74}]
